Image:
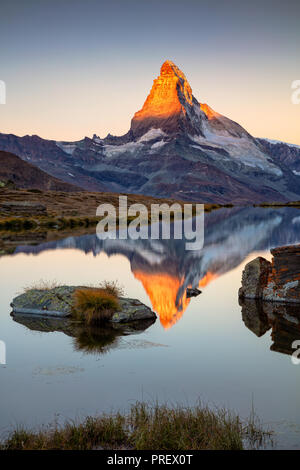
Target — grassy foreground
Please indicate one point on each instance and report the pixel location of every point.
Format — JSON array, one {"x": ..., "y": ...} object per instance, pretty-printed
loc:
[{"x": 156, "y": 427}]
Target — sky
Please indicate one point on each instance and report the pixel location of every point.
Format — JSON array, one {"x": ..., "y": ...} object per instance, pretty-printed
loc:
[{"x": 75, "y": 68}]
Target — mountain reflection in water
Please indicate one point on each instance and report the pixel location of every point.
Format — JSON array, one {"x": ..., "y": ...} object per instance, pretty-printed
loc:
[{"x": 166, "y": 269}]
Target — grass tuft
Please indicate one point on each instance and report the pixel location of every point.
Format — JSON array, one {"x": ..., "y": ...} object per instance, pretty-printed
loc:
[
  {"x": 112, "y": 287},
  {"x": 94, "y": 306},
  {"x": 42, "y": 284}
]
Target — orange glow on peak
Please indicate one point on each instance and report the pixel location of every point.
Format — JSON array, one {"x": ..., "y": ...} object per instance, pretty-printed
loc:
[
  {"x": 210, "y": 113},
  {"x": 163, "y": 100}
]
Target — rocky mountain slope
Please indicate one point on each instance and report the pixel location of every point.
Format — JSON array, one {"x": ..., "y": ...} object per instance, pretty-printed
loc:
[
  {"x": 14, "y": 171},
  {"x": 288, "y": 154},
  {"x": 176, "y": 147}
]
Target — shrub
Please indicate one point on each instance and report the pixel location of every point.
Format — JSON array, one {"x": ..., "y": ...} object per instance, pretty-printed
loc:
[{"x": 94, "y": 305}]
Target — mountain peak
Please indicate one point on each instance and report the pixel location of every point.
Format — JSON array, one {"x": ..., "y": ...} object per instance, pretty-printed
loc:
[
  {"x": 167, "y": 104},
  {"x": 169, "y": 68}
]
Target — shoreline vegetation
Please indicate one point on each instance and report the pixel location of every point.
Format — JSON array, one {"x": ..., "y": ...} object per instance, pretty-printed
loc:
[
  {"x": 146, "y": 427},
  {"x": 33, "y": 209},
  {"x": 278, "y": 204}
]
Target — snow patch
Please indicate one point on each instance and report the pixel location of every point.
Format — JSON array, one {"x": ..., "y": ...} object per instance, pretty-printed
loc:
[
  {"x": 158, "y": 144},
  {"x": 241, "y": 149},
  {"x": 114, "y": 150},
  {"x": 97, "y": 140},
  {"x": 297, "y": 173},
  {"x": 66, "y": 147},
  {"x": 274, "y": 142},
  {"x": 151, "y": 135}
]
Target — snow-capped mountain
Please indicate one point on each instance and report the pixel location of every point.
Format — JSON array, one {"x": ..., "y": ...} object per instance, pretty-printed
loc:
[{"x": 176, "y": 147}]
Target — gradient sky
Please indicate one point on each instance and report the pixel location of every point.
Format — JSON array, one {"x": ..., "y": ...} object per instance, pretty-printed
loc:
[{"x": 74, "y": 68}]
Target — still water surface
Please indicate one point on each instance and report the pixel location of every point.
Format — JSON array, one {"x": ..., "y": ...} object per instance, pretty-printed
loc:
[{"x": 197, "y": 349}]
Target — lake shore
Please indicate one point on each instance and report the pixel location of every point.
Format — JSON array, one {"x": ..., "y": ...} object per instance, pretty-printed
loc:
[{"x": 33, "y": 209}]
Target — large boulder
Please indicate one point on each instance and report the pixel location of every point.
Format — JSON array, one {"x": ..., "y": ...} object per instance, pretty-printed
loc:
[
  {"x": 255, "y": 278},
  {"x": 277, "y": 281},
  {"x": 58, "y": 302}
]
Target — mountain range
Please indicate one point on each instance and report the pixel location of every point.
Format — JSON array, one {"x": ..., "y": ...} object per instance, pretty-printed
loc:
[{"x": 176, "y": 147}]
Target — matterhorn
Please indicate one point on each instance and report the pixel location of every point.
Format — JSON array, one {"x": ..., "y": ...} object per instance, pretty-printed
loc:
[{"x": 176, "y": 147}]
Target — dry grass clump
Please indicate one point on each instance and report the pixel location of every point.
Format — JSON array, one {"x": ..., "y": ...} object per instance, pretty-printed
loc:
[
  {"x": 112, "y": 287},
  {"x": 94, "y": 306},
  {"x": 91, "y": 433},
  {"x": 146, "y": 427},
  {"x": 42, "y": 285}
]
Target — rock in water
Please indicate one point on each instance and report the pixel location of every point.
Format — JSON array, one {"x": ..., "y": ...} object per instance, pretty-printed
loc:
[
  {"x": 276, "y": 281},
  {"x": 255, "y": 278},
  {"x": 58, "y": 302},
  {"x": 132, "y": 310},
  {"x": 192, "y": 292}
]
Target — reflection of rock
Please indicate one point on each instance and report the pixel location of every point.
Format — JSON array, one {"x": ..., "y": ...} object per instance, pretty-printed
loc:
[
  {"x": 46, "y": 324},
  {"x": 87, "y": 339},
  {"x": 254, "y": 317},
  {"x": 277, "y": 281},
  {"x": 58, "y": 302},
  {"x": 283, "y": 319}
]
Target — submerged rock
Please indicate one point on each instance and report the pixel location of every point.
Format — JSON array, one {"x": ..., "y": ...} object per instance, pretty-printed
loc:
[
  {"x": 276, "y": 281},
  {"x": 58, "y": 302}
]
